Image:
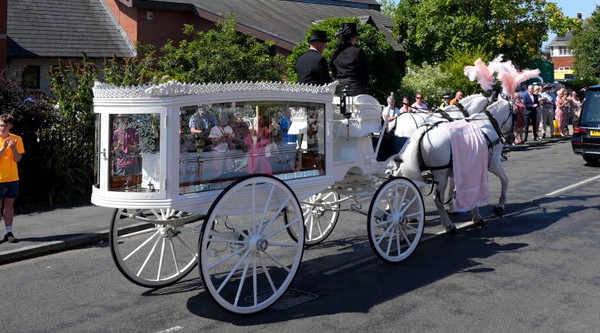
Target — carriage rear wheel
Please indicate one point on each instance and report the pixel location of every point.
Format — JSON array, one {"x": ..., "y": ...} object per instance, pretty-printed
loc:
[
  {"x": 154, "y": 247},
  {"x": 396, "y": 219},
  {"x": 247, "y": 258},
  {"x": 320, "y": 216}
]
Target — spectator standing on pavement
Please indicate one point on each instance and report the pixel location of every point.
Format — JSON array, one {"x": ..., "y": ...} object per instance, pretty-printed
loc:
[
  {"x": 531, "y": 101},
  {"x": 445, "y": 101},
  {"x": 405, "y": 105},
  {"x": 311, "y": 67},
  {"x": 419, "y": 105},
  {"x": 457, "y": 97},
  {"x": 519, "y": 117},
  {"x": 562, "y": 112},
  {"x": 11, "y": 152},
  {"x": 390, "y": 113},
  {"x": 546, "y": 114},
  {"x": 575, "y": 108}
]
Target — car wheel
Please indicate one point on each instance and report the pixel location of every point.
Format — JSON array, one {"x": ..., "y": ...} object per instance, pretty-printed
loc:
[{"x": 592, "y": 160}]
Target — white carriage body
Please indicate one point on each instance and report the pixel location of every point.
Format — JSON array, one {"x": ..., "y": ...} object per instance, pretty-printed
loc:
[{"x": 172, "y": 173}]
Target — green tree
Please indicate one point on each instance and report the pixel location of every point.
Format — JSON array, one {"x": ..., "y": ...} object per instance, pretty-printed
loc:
[
  {"x": 70, "y": 140},
  {"x": 433, "y": 81},
  {"x": 221, "y": 55},
  {"x": 427, "y": 80},
  {"x": 515, "y": 28},
  {"x": 384, "y": 75},
  {"x": 31, "y": 119},
  {"x": 387, "y": 7},
  {"x": 585, "y": 48},
  {"x": 132, "y": 71}
]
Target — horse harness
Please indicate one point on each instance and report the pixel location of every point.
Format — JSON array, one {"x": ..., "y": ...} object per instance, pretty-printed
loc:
[{"x": 491, "y": 143}]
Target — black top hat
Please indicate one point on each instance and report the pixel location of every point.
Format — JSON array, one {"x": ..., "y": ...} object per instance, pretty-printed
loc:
[
  {"x": 348, "y": 30},
  {"x": 318, "y": 35},
  {"x": 447, "y": 95}
]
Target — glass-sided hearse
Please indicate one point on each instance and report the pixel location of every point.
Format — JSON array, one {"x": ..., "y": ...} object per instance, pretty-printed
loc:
[{"x": 237, "y": 178}]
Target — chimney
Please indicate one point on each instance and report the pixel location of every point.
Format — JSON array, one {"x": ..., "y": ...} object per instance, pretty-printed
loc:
[{"x": 579, "y": 16}]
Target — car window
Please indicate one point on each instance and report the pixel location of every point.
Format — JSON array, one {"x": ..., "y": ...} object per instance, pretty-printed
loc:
[{"x": 590, "y": 116}]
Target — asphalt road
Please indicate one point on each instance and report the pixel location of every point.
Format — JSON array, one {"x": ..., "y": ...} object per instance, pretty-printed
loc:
[{"x": 533, "y": 270}]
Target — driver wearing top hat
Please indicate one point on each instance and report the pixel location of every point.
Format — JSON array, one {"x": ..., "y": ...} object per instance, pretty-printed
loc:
[
  {"x": 349, "y": 62},
  {"x": 311, "y": 66}
]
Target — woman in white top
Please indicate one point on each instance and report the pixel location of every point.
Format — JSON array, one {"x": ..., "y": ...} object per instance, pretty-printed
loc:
[{"x": 419, "y": 105}]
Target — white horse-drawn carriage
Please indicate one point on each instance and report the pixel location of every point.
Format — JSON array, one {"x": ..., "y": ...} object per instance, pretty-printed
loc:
[{"x": 243, "y": 213}]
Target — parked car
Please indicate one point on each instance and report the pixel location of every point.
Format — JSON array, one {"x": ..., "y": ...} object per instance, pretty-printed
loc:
[{"x": 586, "y": 135}]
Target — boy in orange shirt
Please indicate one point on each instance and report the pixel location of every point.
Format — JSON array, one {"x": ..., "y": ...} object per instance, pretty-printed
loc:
[{"x": 11, "y": 151}]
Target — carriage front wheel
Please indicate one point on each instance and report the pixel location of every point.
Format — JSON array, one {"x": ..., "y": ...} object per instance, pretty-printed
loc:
[
  {"x": 247, "y": 258},
  {"x": 396, "y": 219},
  {"x": 154, "y": 247}
]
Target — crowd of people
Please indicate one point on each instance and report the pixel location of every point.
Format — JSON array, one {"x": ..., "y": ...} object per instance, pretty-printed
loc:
[{"x": 548, "y": 110}]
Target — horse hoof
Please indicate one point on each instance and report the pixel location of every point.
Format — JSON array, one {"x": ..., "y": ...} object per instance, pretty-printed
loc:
[
  {"x": 451, "y": 230},
  {"x": 498, "y": 211},
  {"x": 480, "y": 223}
]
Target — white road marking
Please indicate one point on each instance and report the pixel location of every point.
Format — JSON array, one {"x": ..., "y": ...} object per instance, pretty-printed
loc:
[
  {"x": 463, "y": 225},
  {"x": 564, "y": 189},
  {"x": 172, "y": 329}
]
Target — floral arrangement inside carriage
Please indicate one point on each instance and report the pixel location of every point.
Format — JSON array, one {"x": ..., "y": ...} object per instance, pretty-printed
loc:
[{"x": 221, "y": 142}]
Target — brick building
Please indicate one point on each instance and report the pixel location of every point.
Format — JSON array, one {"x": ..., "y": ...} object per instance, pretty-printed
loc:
[
  {"x": 38, "y": 33},
  {"x": 562, "y": 56}
]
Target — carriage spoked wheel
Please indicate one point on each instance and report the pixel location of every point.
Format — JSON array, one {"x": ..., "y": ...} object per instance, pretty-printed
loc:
[
  {"x": 321, "y": 213},
  {"x": 154, "y": 247},
  {"x": 396, "y": 219},
  {"x": 247, "y": 258}
]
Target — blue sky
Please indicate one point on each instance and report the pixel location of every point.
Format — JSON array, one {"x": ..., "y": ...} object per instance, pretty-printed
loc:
[{"x": 571, "y": 7}]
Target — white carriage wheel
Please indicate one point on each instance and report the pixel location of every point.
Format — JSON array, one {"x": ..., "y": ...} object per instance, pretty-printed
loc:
[
  {"x": 247, "y": 258},
  {"x": 396, "y": 219},
  {"x": 320, "y": 216},
  {"x": 154, "y": 247}
]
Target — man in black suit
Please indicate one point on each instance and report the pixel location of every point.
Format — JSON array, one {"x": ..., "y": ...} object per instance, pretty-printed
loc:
[
  {"x": 531, "y": 101},
  {"x": 349, "y": 62},
  {"x": 311, "y": 66}
]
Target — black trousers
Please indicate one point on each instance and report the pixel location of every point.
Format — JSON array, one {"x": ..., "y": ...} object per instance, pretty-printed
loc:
[{"x": 531, "y": 119}]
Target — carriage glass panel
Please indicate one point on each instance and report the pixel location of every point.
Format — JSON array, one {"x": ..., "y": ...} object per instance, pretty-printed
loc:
[
  {"x": 134, "y": 158},
  {"x": 234, "y": 139}
]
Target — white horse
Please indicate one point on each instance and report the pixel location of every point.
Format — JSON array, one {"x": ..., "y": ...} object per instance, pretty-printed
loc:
[
  {"x": 408, "y": 122},
  {"x": 431, "y": 146}
]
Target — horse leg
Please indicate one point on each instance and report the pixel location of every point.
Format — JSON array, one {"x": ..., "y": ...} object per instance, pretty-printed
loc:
[
  {"x": 438, "y": 200},
  {"x": 451, "y": 188},
  {"x": 477, "y": 219},
  {"x": 497, "y": 169}
]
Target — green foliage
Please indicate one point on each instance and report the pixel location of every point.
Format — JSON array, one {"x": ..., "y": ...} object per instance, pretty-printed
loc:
[
  {"x": 585, "y": 48},
  {"x": 221, "y": 55},
  {"x": 131, "y": 71},
  {"x": 433, "y": 81},
  {"x": 387, "y": 7},
  {"x": 70, "y": 139},
  {"x": 515, "y": 28},
  {"x": 427, "y": 80},
  {"x": 454, "y": 66},
  {"x": 384, "y": 75},
  {"x": 31, "y": 119}
]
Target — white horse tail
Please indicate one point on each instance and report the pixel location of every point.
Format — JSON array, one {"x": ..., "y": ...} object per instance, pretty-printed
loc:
[{"x": 410, "y": 167}]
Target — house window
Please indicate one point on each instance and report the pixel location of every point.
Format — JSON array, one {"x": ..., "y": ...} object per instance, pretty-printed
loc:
[
  {"x": 31, "y": 77},
  {"x": 564, "y": 51}
]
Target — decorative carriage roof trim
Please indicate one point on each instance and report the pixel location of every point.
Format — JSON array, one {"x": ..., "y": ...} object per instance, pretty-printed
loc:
[{"x": 175, "y": 88}]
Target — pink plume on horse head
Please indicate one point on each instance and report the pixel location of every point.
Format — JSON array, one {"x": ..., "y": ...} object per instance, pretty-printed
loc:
[{"x": 481, "y": 72}]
